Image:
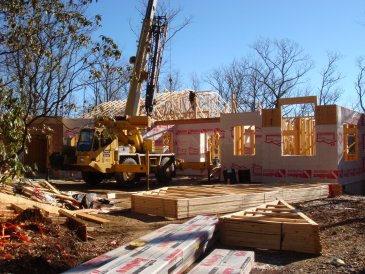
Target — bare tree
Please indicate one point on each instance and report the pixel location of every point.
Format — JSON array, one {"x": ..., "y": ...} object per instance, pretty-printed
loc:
[
  {"x": 172, "y": 81},
  {"x": 195, "y": 81},
  {"x": 176, "y": 23},
  {"x": 238, "y": 81},
  {"x": 280, "y": 68},
  {"x": 328, "y": 93},
  {"x": 360, "y": 83},
  {"x": 108, "y": 79},
  {"x": 173, "y": 16}
]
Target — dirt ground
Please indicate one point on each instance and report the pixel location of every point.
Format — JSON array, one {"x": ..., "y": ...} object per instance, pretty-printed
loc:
[{"x": 342, "y": 221}]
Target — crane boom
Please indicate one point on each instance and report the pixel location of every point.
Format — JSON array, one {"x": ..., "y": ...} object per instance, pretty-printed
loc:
[{"x": 152, "y": 30}]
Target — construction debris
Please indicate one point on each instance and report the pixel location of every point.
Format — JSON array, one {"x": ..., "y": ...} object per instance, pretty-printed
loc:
[
  {"x": 18, "y": 205},
  {"x": 189, "y": 201},
  {"x": 221, "y": 261},
  {"x": 276, "y": 225},
  {"x": 44, "y": 193},
  {"x": 170, "y": 249}
]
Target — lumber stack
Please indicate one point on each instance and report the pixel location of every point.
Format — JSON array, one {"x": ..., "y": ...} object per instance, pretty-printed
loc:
[
  {"x": 276, "y": 225},
  {"x": 226, "y": 261},
  {"x": 189, "y": 201},
  {"x": 170, "y": 249}
]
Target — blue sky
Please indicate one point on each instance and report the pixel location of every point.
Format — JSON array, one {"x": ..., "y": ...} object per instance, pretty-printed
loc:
[{"x": 221, "y": 31}]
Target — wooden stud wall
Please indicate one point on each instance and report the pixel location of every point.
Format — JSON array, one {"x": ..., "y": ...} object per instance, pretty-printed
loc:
[
  {"x": 298, "y": 136},
  {"x": 350, "y": 130}
]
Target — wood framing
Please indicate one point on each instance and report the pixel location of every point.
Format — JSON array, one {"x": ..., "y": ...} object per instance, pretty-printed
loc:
[
  {"x": 244, "y": 140},
  {"x": 170, "y": 106},
  {"x": 275, "y": 225},
  {"x": 326, "y": 115},
  {"x": 351, "y": 142},
  {"x": 298, "y": 136},
  {"x": 298, "y": 100},
  {"x": 188, "y": 201},
  {"x": 271, "y": 117}
]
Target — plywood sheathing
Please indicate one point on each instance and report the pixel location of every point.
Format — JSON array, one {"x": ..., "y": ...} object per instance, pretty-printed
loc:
[
  {"x": 271, "y": 117},
  {"x": 326, "y": 115},
  {"x": 170, "y": 106},
  {"x": 276, "y": 225},
  {"x": 188, "y": 201}
]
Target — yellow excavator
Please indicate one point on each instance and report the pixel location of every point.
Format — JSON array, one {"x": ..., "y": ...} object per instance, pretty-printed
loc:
[{"x": 115, "y": 148}]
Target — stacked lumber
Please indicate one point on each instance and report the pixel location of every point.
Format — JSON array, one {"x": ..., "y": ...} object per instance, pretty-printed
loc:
[
  {"x": 221, "y": 261},
  {"x": 189, "y": 201},
  {"x": 170, "y": 249},
  {"x": 276, "y": 225}
]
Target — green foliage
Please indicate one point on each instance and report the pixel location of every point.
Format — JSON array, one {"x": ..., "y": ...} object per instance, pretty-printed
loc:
[
  {"x": 46, "y": 52},
  {"x": 12, "y": 128}
]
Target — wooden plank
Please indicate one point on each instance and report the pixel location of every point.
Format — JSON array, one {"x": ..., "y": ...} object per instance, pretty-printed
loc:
[
  {"x": 298, "y": 100},
  {"x": 6, "y": 198},
  {"x": 91, "y": 218},
  {"x": 19, "y": 208},
  {"x": 49, "y": 186},
  {"x": 75, "y": 223}
]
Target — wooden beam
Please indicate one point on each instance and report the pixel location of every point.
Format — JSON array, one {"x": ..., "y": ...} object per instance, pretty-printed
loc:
[
  {"x": 188, "y": 121},
  {"x": 92, "y": 218},
  {"x": 298, "y": 100}
]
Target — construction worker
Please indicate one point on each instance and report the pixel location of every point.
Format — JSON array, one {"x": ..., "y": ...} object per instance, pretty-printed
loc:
[{"x": 192, "y": 99}]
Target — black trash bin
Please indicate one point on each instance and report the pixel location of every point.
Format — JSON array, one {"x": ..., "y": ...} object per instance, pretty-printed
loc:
[
  {"x": 230, "y": 174},
  {"x": 244, "y": 176}
]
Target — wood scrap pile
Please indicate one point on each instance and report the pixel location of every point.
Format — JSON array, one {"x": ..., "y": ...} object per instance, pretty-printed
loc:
[
  {"x": 189, "y": 201},
  {"x": 78, "y": 220},
  {"x": 44, "y": 192},
  {"x": 32, "y": 241},
  {"x": 276, "y": 225}
]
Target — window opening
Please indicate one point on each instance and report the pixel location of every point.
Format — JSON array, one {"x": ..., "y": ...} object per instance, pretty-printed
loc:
[
  {"x": 244, "y": 140},
  {"x": 298, "y": 130},
  {"x": 214, "y": 143},
  {"x": 351, "y": 147}
]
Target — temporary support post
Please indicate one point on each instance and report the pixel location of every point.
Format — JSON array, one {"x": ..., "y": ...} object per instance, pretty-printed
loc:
[{"x": 148, "y": 169}]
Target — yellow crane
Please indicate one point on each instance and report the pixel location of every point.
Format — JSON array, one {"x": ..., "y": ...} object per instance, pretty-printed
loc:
[{"x": 116, "y": 148}]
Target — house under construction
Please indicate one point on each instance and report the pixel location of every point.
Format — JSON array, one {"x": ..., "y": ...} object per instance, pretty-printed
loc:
[{"x": 268, "y": 146}]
